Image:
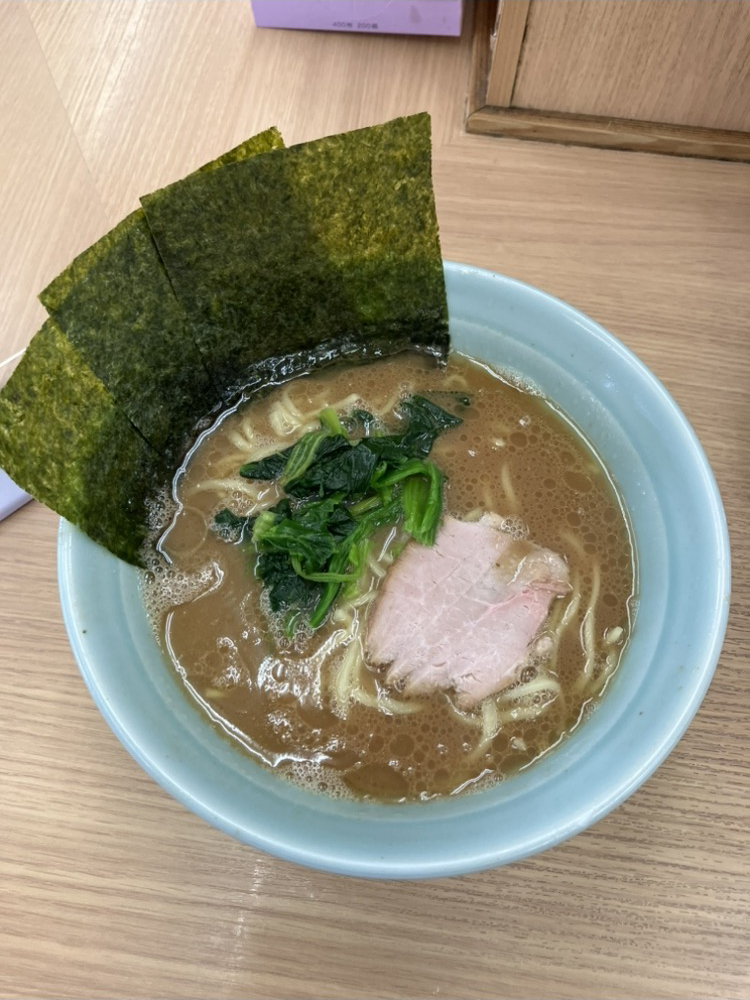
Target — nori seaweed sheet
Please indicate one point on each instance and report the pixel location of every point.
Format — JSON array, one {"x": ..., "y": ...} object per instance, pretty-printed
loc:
[
  {"x": 263, "y": 142},
  {"x": 65, "y": 440},
  {"x": 276, "y": 264},
  {"x": 369, "y": 201},
  {"x": 116, "y": 305},
  {"x": 333, "y": 242}
]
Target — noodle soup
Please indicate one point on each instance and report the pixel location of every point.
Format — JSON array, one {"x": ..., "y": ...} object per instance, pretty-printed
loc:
[{"x": 311, "y": 706}]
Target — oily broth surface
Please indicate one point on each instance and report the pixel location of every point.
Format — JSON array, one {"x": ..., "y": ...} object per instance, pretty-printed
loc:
[{"x": 513, "y": 455}]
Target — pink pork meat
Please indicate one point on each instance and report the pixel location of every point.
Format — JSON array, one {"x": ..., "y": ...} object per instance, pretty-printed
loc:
[{"x": 464, "y": 613}]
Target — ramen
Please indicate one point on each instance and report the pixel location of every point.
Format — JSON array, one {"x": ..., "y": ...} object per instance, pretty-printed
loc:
[{"x": 308, "y": 702}]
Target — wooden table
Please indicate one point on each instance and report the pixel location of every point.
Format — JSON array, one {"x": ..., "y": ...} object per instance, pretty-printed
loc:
[{"x": 108, "y": 886}]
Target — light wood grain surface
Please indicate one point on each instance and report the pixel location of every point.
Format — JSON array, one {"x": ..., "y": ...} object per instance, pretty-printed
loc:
[
  {"x": 682, "y": 62},
  {"x": 110, "y": 888},
  {"x": 508, "y": 31}
]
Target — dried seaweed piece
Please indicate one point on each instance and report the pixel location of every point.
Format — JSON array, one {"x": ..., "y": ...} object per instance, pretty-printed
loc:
[
  {"x": 117, "y": 307},
  {"x": 321, "y": 250},
  {"x": 284, "y": 262},
  {"x": 263, "y": 142},
  {"x": 242, "y": 261},
  {"x": 369, "y": 202},
  {"x": 65, "y": 440}
]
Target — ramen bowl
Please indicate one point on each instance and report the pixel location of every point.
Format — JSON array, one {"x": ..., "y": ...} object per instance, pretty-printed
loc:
[{"x": 682, "y": 552}]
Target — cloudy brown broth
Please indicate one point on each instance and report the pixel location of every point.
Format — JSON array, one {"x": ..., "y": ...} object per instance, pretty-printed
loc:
[{"x": 289, "y": 704}]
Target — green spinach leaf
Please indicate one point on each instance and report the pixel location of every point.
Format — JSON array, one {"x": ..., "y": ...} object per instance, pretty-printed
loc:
[
  {"x": 426, "y": 422},
  {"x": 285, "y": 588},
  {"x": 348, "y": 470},
  {"x": 340, "y": 490},
  {"x": 266, "y": 468}
]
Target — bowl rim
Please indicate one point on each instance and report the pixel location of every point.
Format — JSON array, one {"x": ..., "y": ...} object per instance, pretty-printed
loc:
[{"x": 69, "y": 538}]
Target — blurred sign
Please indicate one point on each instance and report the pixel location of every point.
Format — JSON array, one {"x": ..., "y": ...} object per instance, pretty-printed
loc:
[{"x": 399, "y": 17}]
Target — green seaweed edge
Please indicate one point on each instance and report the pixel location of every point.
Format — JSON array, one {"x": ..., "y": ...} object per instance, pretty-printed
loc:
[{"x": 66, "y": 441}]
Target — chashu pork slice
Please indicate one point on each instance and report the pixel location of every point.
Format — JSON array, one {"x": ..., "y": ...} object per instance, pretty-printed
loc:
[{"x": 464, "y": 613}]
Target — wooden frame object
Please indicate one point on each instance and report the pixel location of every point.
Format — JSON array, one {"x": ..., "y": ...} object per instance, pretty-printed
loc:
[{"x": 499, "y": 30}]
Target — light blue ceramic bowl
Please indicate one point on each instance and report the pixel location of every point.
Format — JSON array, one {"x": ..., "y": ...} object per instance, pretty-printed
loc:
[{"x": 683, "y": 557}]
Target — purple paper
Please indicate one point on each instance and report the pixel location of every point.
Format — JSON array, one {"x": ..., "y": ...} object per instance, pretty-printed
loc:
[
  {"x": 398, "y": 17},
  {"x": 11, "y": 496}
]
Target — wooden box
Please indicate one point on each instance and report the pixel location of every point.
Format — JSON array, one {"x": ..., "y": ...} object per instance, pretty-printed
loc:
[{"x": 666, "y": 77}]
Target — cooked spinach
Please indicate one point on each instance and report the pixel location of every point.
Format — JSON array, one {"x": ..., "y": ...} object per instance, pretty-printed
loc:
[
  {"x": 349, "y": 470},
  {"x": 267, "y": 468},
  {"x": 231, "y": 527},
  {"x": 340, "y": 490},
  {"x": 422, "y": 498},
  {"x": 426, "y": 422},
  {"x": 305, "y": 452},
  {"x": 285, "y": 588},
  {"x": 350, "y": 553}
]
